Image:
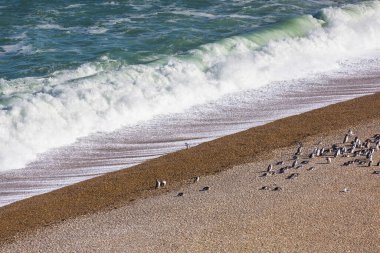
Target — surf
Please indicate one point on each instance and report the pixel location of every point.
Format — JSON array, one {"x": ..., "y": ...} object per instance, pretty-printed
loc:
[{"x": 40, "y": 113}]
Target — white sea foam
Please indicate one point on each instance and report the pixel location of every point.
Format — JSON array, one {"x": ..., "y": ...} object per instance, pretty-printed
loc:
[
  {"x": 74, "y": 29},
  {"x": 50, "y": 26},
  {"x": 73, "y": 6},
  {"x": 115, "y": 21},
  {"x": 21, "y": 47},
  {"x": 97, "y": 30},
  {"x": 18, "y": 48},
  {"x": 110, "y": 3},
  {"x": 20, "y": 36},
  {"x": 242, "y": 16},
  {"x": 37, "y": 114},
  {"x": 194, "y": 13}
]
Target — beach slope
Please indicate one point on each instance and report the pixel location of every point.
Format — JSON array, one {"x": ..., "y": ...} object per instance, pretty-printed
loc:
[{"x": 312, "y": 217}]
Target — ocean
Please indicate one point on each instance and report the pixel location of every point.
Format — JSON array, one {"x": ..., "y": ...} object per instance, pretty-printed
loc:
[{"x": 92, "y": 87}]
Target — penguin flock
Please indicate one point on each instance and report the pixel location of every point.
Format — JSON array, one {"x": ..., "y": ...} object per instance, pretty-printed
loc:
[{"x": 358, "y": 152}]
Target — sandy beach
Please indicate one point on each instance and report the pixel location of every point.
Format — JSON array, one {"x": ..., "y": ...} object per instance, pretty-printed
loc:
[{"x": 331, "y": 208}]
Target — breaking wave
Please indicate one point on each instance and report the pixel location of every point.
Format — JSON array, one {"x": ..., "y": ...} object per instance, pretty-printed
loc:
[{"x": 39, "y": 113}]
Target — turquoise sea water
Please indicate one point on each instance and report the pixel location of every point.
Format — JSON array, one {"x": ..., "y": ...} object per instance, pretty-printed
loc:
[
  {"x": 40, "y": 37},
  {"x": 69, "y": 69}
]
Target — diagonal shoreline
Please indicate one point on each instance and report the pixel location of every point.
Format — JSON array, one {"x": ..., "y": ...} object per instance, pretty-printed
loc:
[{"x": 119, "y": 188}]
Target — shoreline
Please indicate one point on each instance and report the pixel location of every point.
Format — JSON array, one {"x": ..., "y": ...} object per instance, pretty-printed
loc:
[
  {"x": 116, "y": 189},
  {"x": 99, "y": 154}
]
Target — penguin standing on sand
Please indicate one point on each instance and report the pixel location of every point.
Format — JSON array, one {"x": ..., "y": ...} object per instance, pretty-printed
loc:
[
  {"x": 158, "y": 184},
  {"x": 345, "y": 138}
]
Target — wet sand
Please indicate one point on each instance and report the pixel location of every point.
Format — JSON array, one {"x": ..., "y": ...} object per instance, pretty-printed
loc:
[{"x": 309, "y": 215}]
